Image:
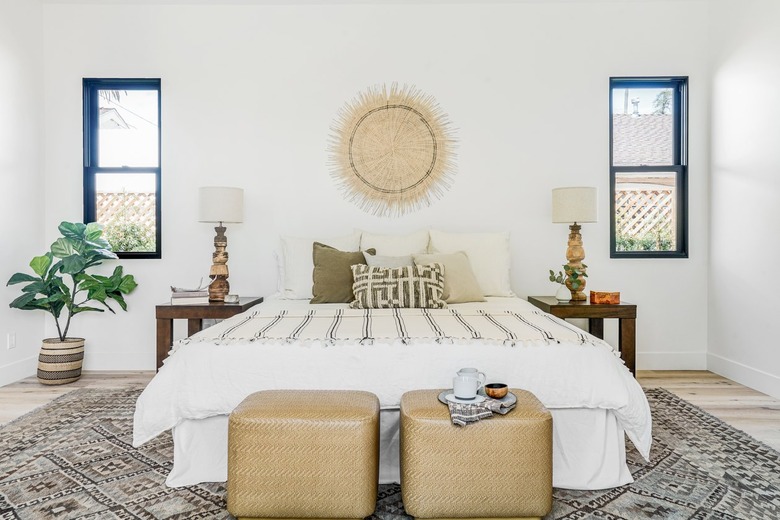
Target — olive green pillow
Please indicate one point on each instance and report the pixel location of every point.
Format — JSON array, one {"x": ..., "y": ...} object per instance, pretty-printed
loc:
[{"x": 333, "y": 273}]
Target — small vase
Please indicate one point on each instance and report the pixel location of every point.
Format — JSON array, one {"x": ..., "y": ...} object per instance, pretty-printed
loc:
[{"x": 563, "y": 294}]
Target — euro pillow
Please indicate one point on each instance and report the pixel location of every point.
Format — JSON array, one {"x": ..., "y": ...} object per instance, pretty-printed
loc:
[
  {"x": 298, "y": 264},
  {"x": 460, "y": 284},
  {"x": 488, "y": 254},
  {"x": 333, "y": 274},
  {"x": 395, "y": 245},
  {"x": 387, "y": 261},
  {"x": 417, "y": 286}
]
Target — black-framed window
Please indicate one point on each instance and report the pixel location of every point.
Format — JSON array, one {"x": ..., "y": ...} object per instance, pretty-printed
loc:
[
  {"x": 122, "y": 163},
  {"x": 648, "y": 174}
]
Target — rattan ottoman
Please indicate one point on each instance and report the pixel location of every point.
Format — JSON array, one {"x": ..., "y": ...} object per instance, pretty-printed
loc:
[
  {"x": 499, "y": 467},
  {"x": 303, "y": 454}
]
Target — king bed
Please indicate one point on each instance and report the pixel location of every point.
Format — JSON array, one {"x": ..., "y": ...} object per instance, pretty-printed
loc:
[{"x": 287, "y": 343}]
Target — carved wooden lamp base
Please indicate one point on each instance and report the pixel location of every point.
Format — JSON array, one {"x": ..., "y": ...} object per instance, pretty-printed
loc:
[
  {"x": 575, "y": 254},
  {"x": 219, "y": 287}
]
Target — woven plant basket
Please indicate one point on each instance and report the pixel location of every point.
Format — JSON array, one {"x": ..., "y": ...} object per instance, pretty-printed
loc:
[{"x": 60, "y": 362}]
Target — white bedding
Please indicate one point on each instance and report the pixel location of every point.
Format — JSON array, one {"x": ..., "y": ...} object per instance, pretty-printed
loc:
[{"x": 204, "y": 379}]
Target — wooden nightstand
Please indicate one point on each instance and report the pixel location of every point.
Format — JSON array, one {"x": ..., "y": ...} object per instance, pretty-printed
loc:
[
  {"x": 194, "y": 314},
  {"x": 624, "y": 312}
]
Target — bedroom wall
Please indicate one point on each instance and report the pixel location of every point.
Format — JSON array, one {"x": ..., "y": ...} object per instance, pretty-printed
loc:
[
  {"x": 21, "y": 73},
  {"x": 745, "y": 191},
  {"x": 249, "y": 93}
]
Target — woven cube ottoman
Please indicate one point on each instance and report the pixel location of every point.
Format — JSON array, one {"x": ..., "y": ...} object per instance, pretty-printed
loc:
[
  {"x": 499, "y": 467},
  {"x": 303, "y": 454}
]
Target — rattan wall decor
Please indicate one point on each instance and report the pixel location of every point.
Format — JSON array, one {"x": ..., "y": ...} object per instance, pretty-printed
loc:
[{"x": 392, "y": 150}]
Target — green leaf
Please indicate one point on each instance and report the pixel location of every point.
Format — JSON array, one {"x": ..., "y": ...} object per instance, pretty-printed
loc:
[
  {"x": 62, "y": 287},
  {"x": 93, "y": 231},
  {"x": 74, "y": 230},
  {"x": 128, "y": 284},
  {"x": 22, "y": 301},
  {"x": 73, "y": 264},
  {"x": 101, "y": 254},
  {"x": 21, "y": 278},
  {"x": 84, "y": 308},
  {"x": 41, "y": 264},
  {"x": 97, "y": 293},
  {"x": 120, "y": 300},
  {"x": 64, "y": 247},
  {"x": 38, "y": 286}
]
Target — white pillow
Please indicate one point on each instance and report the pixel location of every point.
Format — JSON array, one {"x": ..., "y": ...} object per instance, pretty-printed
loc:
[
  {"x": 488, "y": 254},
  {"x": 396, "y": 245},
  {"x": 388, "y": 262},
  {"x": 299, "y": 264}
]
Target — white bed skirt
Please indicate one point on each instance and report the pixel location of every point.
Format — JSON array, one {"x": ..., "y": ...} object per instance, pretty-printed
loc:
[{"x": 589, "y": 450}]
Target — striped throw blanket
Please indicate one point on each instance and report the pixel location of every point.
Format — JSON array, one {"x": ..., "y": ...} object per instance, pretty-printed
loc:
[{"x": 365, "y": 326}]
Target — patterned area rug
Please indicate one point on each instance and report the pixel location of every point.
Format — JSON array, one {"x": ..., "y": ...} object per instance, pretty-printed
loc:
[{"x": 73, "y": 458}]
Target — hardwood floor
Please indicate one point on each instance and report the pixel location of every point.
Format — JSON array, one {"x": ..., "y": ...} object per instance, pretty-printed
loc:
[
  {"x": 751, "y": 411},
  {"x": 24, "y": 396},
  {"x": 744, "y": 408}
]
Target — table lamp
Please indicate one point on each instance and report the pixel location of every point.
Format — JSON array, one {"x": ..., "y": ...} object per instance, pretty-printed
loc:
[
  {"x": 220, "y": 204},
  {"x": 574, "y": 206}
]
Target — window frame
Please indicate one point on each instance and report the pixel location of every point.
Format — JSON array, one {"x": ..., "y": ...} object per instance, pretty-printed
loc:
[
  {"x": 91, "y": 130},
  {"x": 679, "y": 165}
]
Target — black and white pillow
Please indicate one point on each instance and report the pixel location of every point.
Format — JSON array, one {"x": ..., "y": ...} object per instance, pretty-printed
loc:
[{"x": 417, "y": 286}]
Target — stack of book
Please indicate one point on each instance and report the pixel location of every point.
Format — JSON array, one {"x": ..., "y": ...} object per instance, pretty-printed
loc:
[{"x": 198, "y": 296}]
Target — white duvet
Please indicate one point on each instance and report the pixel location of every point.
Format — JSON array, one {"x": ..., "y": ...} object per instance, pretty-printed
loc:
[{"x": 203, "y": 379}]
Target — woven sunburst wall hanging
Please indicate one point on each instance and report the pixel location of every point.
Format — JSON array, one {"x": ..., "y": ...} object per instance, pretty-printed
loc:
[{"x": 392, "y": 151}]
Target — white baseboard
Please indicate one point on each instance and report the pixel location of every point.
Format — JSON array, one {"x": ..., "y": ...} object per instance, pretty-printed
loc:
[
  {"x": 17, "y": 370},
  {"x": 671, "y": 361},
  {"x": 744, "y": 375}
]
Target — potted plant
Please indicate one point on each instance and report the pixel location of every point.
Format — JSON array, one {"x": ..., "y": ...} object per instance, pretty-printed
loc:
[
  {"x": 569, "y": 280},
  {"x": 62, "y": 283}
]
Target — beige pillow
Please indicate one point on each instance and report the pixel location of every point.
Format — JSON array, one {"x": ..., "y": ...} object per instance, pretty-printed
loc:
[
  {"x": 333, "y": 274},
  {"x": 460, "y": 284}
]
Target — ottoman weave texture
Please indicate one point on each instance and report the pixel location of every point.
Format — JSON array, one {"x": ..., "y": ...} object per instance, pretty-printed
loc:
[
  {"x": 304, "y": 454},
  {"x": 497, "y": 467}
]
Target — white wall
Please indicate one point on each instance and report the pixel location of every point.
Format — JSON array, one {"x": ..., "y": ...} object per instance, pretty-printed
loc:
[
  {"x": 21, "y": 209},
  {"x": 249, "y": 93},
  {"x": 745, "y": 192}
]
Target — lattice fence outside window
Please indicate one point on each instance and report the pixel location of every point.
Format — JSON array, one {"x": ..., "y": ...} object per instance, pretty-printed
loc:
[
  {"x": 129, "y": 219},
  {"x": 645, "y": 216}
]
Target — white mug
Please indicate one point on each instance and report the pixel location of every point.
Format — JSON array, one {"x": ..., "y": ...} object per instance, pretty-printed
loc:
[
  {"x": 474, "y": 374},
  {"x": 465, "y": 387}
]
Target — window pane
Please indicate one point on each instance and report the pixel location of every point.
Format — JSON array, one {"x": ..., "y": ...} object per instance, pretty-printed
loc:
[
  {"x": 128, "y": 128},
  {"x": 126, "y": 206},
  {"x": 642, "y": 126},
  {"x": 645, "y": 211}
]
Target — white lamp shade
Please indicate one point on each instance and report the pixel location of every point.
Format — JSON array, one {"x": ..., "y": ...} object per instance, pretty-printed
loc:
[
  {"x": 574, "y": 205},
  {"x": 220, "y": 204}
]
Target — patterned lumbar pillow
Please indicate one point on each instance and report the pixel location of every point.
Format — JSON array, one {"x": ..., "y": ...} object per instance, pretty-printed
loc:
[{"x": 418, "y": 286}]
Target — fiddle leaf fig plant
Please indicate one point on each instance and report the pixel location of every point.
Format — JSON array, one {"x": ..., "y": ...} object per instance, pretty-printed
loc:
[
  {"x": 62, "y": 282},
  {"x": 574, "y": 274}
]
